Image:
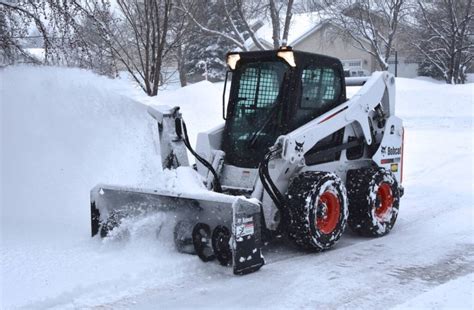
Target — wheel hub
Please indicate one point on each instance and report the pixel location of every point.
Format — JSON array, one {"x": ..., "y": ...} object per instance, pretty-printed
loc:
[
  {"x": 384, "y": 201},
  {"x": 328, "y": 212},
  {"x": 323, "y": 210}
]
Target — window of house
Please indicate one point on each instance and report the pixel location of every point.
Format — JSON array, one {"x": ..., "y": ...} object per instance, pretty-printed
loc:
[
  {"x": 412, "y": 61},
  {"x": 352, "y": 63},
  {"x": 357, "y": 63}
]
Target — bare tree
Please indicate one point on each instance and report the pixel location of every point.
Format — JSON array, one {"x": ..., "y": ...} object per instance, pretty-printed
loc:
[
  {"x": 15, "y": 21},
  {"x": 140, "y": 37},
  {"x": 182, "y": 30},
  {"x": 240, "y": 15},
  {"x": 279, "y": 38},
  {"x": 446, "y": 37},
  {"x": 66, "y": 39},
  {"x": 89, "y": 50},
  {"x": 371, "y": 24},
  {"x": 235, "y": 36}
]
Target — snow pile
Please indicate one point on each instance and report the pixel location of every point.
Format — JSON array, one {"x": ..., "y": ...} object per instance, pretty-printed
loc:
[
  {"x": 425, "y": 103},
  {"x": 182, "y": 180},
  {"x": 200, "y": 103},
  {"x": 201, "y": 106},
  {"x": 64, "y": 131}
]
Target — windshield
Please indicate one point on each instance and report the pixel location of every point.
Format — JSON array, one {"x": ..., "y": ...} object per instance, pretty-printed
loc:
[{"x": 254, "y": 113}]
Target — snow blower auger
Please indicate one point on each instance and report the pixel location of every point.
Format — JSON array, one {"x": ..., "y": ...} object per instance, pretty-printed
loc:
[{"x": 294, "y": 158}]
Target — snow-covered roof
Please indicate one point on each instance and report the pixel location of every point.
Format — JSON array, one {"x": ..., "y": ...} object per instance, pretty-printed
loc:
[{"x": 301, "y": 26}]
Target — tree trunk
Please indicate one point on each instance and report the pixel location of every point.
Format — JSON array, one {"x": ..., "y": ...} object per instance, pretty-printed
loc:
[
  {"x": 286, "y": 28},
  {"x": 275, "y": 25},
  {"x": 181, "y": 69}
]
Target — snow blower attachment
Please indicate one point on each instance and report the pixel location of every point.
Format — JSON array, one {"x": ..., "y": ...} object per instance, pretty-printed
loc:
[
  {"x": 203, "y": 224},
  {"x": 294, "y": 158}
]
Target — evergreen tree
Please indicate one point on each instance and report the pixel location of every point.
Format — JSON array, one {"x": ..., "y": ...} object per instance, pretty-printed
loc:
[
  {"x": 205, "y": 54},
  {"x": 426, "y": 68}
]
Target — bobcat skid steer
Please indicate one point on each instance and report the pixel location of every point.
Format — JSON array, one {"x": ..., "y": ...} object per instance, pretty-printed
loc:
[{"x": 294, "y": 158}]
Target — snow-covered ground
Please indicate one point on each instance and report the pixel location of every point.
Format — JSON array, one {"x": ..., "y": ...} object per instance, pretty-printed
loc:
[{"x": 65, "y": 130}]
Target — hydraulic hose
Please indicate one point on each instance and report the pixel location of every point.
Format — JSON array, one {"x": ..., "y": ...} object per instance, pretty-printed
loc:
[
  {"x": 180, "y": 124},
  {"x": 272, "y": 190}
]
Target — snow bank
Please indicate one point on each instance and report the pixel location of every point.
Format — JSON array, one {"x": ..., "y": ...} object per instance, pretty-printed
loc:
[
  {"x": 425, "y": 100},
  {"x": 201, "y": 105},
  {"x": 63, "y": 131}
]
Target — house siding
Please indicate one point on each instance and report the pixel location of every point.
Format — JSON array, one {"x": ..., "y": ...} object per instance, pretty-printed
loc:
[
  {"x": 407, "y": 67},
  {"x": 327, "y": 41}
]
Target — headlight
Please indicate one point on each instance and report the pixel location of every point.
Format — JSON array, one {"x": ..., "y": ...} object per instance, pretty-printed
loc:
[
  {"x": 288, "y": 56},
  {"x": 232, "y": 60}
]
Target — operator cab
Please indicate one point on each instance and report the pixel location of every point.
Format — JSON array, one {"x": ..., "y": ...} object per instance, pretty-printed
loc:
[{"x": 273, "y": 93}]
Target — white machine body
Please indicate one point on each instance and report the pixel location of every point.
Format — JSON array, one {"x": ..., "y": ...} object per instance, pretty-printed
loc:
[{"x": 383, "y": 146}]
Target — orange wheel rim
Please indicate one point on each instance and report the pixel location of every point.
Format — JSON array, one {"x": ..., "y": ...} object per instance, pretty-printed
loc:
[
  {"x": 328, "y": 212},
  {"x": 384, "y": 200}
]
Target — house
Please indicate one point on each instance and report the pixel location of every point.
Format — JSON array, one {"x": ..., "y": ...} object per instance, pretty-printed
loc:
[{"x": 311, "y": 33}]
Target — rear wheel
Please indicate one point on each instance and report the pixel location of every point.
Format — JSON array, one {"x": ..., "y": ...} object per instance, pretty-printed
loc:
[
  {"x": 317, "y": 206},
  {"x": 374, "y": 198}
]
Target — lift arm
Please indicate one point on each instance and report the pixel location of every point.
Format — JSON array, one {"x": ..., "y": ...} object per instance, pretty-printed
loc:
[{"x": 378, "y": 89}]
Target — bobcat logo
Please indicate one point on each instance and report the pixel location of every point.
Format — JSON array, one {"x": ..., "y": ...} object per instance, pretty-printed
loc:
[
  {"x": 390, "y": 151},
  {"x": 299, "y": 146}
]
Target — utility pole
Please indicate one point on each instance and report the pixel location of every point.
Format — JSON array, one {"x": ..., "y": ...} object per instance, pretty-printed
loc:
[{"x": 396, "y": 63}]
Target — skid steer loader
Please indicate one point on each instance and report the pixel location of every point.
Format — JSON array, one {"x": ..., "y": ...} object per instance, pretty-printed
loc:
[{"x": 294, "y": 158}]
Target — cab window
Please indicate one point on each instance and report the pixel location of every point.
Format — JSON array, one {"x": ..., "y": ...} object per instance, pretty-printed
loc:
[
  {"x": 320, "y": 88},
  {"x": 320, "y": 91}
]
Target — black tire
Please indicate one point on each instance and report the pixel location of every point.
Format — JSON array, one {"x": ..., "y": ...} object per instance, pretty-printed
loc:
[
  {"x": 374, "y": 198},
  {"x": 202, "y": 242},
  {"x": 309, "y": 194},
  {"x": 220, "y": 244}
]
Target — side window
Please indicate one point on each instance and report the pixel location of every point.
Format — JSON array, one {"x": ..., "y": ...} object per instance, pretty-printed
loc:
[
  {"x": 355, "y": 152},
  {"x": 320, "y": 88}
]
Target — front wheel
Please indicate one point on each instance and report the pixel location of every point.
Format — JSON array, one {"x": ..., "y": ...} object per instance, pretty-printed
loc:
[{"x": 318, "y": 210}]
